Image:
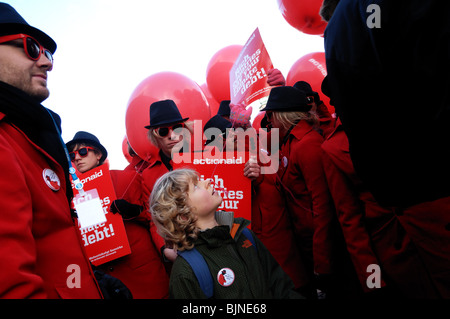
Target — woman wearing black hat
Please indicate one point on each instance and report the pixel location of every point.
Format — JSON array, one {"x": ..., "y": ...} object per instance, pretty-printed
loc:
[
  {"x": 142, "y": 271},
  {"x": 86, "y": 152},
  {"x": 301, "y": 177}
]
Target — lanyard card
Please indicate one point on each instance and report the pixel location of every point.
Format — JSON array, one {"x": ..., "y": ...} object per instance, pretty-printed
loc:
[{"x": 89, "y": 209}]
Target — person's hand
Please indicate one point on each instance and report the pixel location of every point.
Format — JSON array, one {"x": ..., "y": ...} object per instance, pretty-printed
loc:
[
  {"x": 170, "y": 254},
  {"x": 275, "y": 78},
  {"x": 239, "y": 116},
  {"x": 126, "y": 209},
  {"x": 252, "y": 169}
]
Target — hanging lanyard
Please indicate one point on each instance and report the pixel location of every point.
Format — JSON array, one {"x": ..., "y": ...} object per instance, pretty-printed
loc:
[{"x": 78, "y": 184}]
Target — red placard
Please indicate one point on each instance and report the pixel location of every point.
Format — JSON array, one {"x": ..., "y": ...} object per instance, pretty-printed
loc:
[
  {"x": 248, "y": 76},
  {"x": 106, "y": 241},
  {"x": 226, "y": 170}
]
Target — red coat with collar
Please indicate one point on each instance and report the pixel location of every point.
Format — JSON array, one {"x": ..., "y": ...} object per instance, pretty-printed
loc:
[
  {"x": 142, "y": 271},
  {"x": 272, "y": 224},
  {"x": 40, "y": 248},
  {"x": 373, "y": 234},
  {"x": 308, "y": 200},
  {"x": 150, "y": 175}
]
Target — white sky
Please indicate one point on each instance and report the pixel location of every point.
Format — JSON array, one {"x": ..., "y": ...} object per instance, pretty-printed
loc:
[{"x": 106, "y": 48}]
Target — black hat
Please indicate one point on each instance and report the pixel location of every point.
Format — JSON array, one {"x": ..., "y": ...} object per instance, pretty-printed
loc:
[
  {"x": 306, "y": 87},
  {"x": 11, "y": 22},
  {"x": 219, "y": 122},
  {"x": 224, "y": 108},
  {"x": 164, "y": 113},
  {"x": 287, "y": 99},
  {"x": 82, "y": 137}
]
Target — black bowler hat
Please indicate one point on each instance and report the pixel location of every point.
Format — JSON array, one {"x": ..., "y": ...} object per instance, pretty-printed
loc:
[
  {"x": 89, "y": 139},
  {"x": 224, "y": 108},
  {"x": 164, "y": 113},
  {"x": 306, "y": 87},
  {"x": 11, "y": 22},
  {"x": 287, "y": 99},
  {"x": 219, "y": 122}
]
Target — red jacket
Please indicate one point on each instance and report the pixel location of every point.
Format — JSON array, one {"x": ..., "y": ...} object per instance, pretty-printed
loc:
[
  {"x": 150, "y": 175},
  {"x": 308, "y": 200},
  {"x": 373, "y": 234},
  {"x": 272, "y": 225},
  {"x": 142, "y": 271},
  {"x": 41, "y": 253}
]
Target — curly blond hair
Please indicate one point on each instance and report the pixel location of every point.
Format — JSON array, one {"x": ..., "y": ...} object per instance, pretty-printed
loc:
[{"x": 170, "y": 211}]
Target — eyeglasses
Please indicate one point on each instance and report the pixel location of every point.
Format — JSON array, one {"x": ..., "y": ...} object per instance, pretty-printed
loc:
[
  {"x": 83, "y": 152},
  {"x": 31, "y": 47},
  {"x": 164, "y": 131}
]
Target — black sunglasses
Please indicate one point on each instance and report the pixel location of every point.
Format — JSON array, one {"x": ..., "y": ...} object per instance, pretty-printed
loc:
[{"x": 164, "y": 131}]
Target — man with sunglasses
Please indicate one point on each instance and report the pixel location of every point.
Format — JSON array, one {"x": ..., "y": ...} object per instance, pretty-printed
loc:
[
  {"x": 40, "y": 248},
  {"x": 165, "y": 132}
]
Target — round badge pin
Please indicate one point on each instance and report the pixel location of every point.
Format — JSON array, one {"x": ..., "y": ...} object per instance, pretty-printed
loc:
[
  {"x": 285, "y": 161},
  {"x": 225, "y": 277},
  {"x": 51, "y": 179}
]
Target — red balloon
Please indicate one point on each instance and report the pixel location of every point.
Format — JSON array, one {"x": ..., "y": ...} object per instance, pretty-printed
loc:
[
  {"x": 257, "y": 120},
  {"x": 218, "y": 72},
  {"x": 311, "y": 68},
  {"x": 213, "y": 104},
  {"x": 125, "y": 150},
  {"x": 303, "y": 15},
  {"x": 187, "y": 95}
]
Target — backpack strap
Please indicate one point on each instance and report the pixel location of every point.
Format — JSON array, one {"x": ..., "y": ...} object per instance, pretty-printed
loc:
[
  {"x": 201, "y": 270},
  {"x": 247, "y": 233}
]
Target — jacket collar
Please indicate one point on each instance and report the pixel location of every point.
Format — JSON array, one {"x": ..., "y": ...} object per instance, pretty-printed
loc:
[
  {"x": 222, "y": 234},
  {"x": 298, "y": 131}
]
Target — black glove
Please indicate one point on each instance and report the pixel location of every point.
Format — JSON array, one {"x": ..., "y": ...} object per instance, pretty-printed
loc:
[
  {"x": 111, "y": 287},
  {"x": 324, "y": 284},
  {"x": 126, "y": 209}
]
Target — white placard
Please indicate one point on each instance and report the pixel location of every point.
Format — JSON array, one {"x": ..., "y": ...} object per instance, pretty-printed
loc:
[{"x": 89, "y": 209}]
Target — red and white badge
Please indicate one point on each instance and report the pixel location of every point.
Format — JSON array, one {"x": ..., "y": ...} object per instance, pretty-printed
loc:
[
  {"x": 225, "y": 277},
  {"x": 51, "y": 179}
]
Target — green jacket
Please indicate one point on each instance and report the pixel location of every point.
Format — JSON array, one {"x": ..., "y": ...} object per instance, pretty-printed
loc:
[{"x": 245, "y": 272}]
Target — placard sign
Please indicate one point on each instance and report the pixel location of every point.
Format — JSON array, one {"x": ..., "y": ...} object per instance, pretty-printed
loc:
[
  {"x": 226, "y": 171},
  {"x": 106, "y": 240},
  {"x": 248, "y": 76}
]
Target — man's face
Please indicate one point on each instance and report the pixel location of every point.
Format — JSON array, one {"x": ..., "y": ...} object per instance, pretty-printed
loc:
[
  {"x": 18, "y": 70},
  {"x": 167, "y": 142}
]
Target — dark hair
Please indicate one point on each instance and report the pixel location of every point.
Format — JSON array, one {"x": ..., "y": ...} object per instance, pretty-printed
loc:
[{"x": 327, "y": 9}]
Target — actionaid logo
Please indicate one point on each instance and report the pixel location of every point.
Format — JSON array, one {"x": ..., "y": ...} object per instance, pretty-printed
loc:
[
  {"x": 319, "y": 66},
  {"x": 224, "y": 147},
  {"x": 90, "y": 178}
]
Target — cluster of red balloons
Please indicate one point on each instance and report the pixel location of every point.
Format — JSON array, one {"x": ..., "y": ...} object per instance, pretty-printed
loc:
[
  {"x": 303, "y": 15},
  {"x": 202, "y": 102}
]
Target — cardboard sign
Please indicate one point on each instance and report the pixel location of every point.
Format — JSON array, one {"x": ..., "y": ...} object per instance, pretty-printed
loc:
[
  {"x": 108, "y": 240},
  {"x": 226, "y": 172},
  {"x": 248, "y": 76}
]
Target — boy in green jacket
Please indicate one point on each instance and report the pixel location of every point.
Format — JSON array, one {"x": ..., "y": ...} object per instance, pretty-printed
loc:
[{"x": 184, "y": 210}]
